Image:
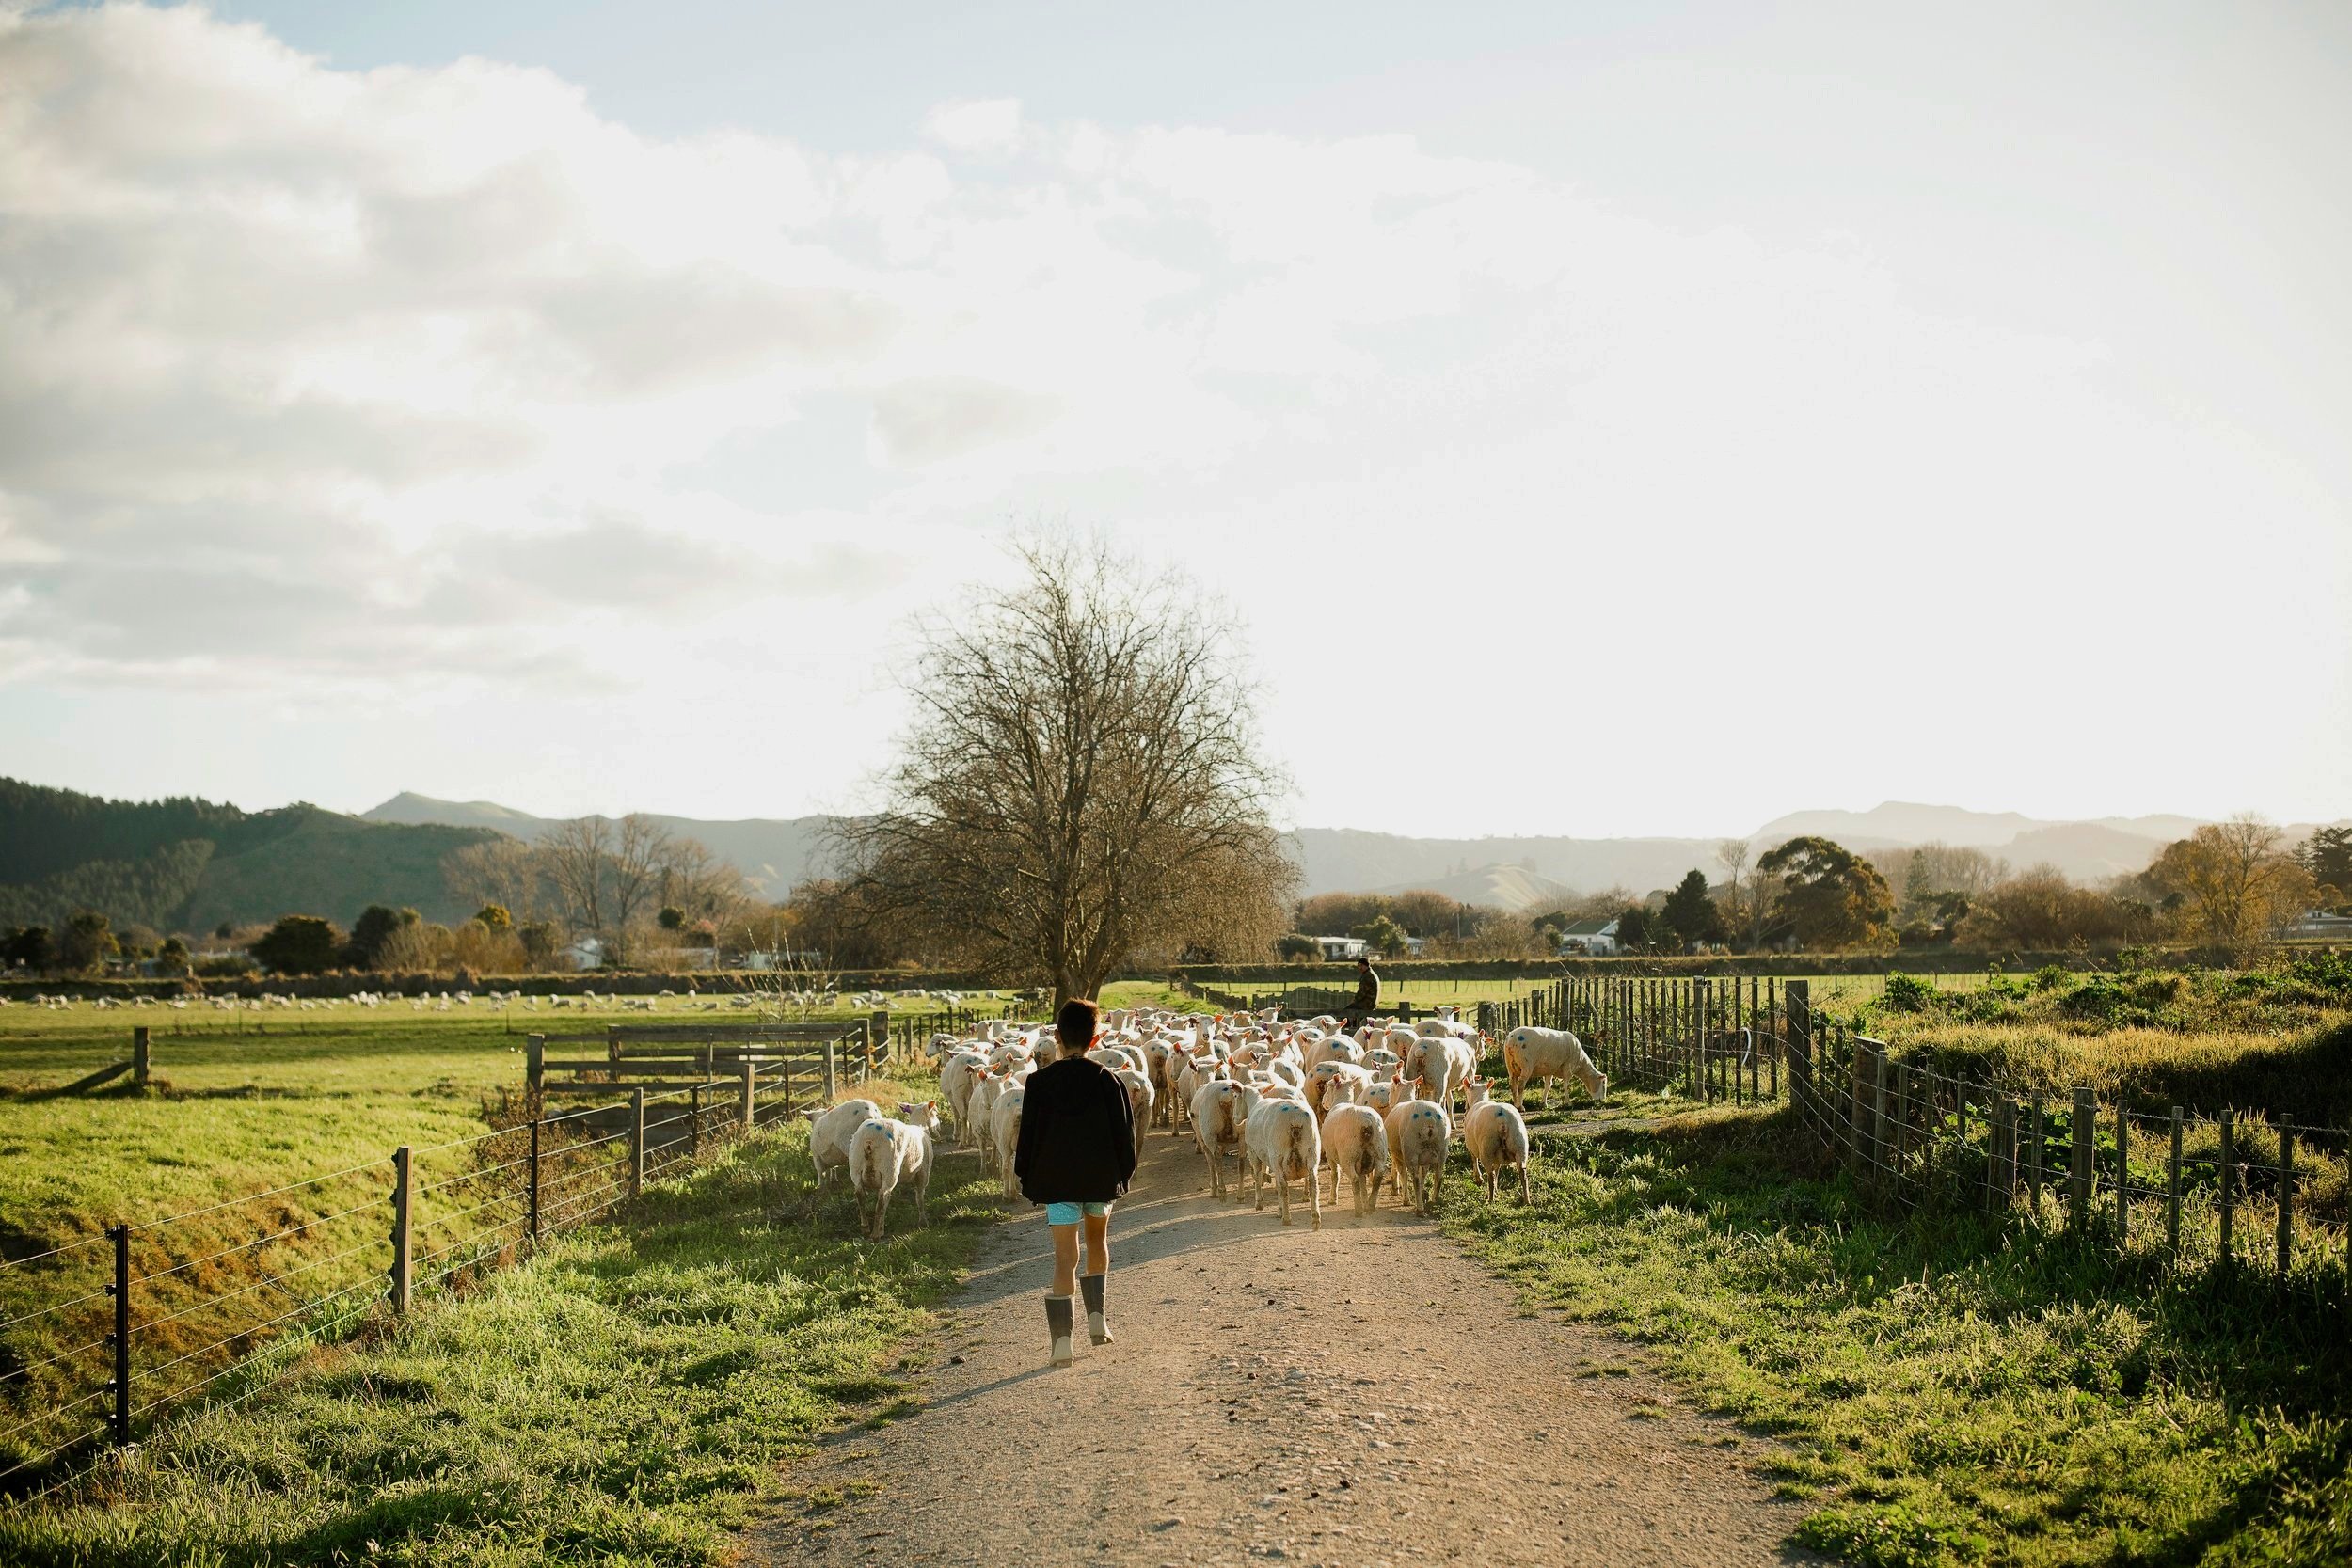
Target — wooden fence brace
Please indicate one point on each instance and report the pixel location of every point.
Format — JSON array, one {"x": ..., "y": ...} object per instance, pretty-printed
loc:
[
  {"x": 832, "y": 1080},
  {"x": 2123, "y": 1179},
  {"x": 403, "y": 1189},
  {"x": 530, "y": 1218},
  {"x": 140, "y": 1059},
  {"x": 2085, "y": 1134},
  {"x": 2172, "y": 1190},
  {"x": 2228, "y": 1182},
  {"x": 637, "y": 1141},
  {"x": 749, "y": 1074},
  {"x": 2286, "y": 1198},
  {"x": 119, "y": 1414}
]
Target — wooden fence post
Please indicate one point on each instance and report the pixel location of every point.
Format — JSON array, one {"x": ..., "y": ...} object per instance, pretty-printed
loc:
[
  {"x": 2286, "y": 1196},
  {"x": 1698, "y": 1041},
  {"x": 2123, "y": 1179},
  {"x": 532, "y": 1216},
  {"x": 750, "y": 1072},
  {"x": 535, "y": 1063},
  {"x": 694, "y": 1122},
  {"x": 118, "y": 1418},
  {"x": 2172, "y": 1190},
  {"x": 2033, "y": 1155},
  {"x": 612, "y": 1042},
  {"x": 2085, "y": 1136},
  {"x": 1882, "y": 1117},
  {"x": 2001, "y": 1176},
  {"x": 637, "y": 1141},
  {"x": 1798, "y": 999},
  {"x": 139, "y": 1056},
  {"x": 402, "y": 1187},
  {"x": 877, "y": 1033},
  {"x": 832, "y": 1080},
  {"x": 2229, "y": 1180}
]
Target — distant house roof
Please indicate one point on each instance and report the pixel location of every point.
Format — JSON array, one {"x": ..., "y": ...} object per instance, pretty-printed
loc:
[{"x": 1590, "y": 929}]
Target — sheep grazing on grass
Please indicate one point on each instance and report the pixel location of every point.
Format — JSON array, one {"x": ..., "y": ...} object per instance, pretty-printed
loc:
[
  {"x": 830, "y": 1132},
  {"x": 1356, "y": 1145},
  {"x": 1281, "y": 1143},
  {"x": 1496, "y": 1136},
  {"x": 885, "y": 1155},
  {"x": 1530, "y": 1054},
  {"x": 1419, "y": 1131}
]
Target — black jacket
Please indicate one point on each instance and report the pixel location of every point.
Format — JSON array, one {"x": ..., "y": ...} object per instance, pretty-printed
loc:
[
  {"x": 1077, "y": 1135},
  {"x": 1367, "y": 993}
]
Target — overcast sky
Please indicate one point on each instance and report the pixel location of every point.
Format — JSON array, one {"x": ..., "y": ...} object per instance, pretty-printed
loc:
[{"x": 1599, "y": 419}]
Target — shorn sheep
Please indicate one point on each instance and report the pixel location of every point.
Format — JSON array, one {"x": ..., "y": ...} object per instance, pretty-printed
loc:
[
  {"x": 1282, "y": 1144},
  {"x": 1356, "y": 1145},
  {"x": 1419, "y": 1130},
  {"x": 1552, "y": 1055},
  {"x": 1496, "y": 1135},
  {"x": 829, "y": 1135},
  {"x": 887, "y": 1154}
]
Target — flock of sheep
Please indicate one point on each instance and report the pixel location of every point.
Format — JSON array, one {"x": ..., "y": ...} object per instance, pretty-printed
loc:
[{"x": 1286, "y": 1100}]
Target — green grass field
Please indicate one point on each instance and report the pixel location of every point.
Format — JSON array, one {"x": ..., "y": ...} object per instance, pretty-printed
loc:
[
  {"x": 1949, "y": 1390},
  {"x": 622, "y": 1397}
]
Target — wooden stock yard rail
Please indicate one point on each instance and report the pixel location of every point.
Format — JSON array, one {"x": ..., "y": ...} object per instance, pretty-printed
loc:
[
  {"x": 105, "y": 1337},
  {"x": 1723, "y": 1038}
]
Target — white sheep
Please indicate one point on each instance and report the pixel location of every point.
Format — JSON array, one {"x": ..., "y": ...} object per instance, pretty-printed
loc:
[
  {"x": 1496, "y": 1135},
  {"x": 1216, "y": 1126},
  {"x": 1356, "y": 1145},
  {"x": 829, "y": 1135},
  {"x": 887, "y": 1154},
  {"x": 1281, "y": 1143},
  {"x": 1419, "y": 1131},
  {"x": 956, "y": 1075},
  {"x": 1139, "y": 1088},
  {"x": 979, "y": 1108},
  {"x": 1004, "y": 1133},
  {"x": 1530, "y": 1054}
]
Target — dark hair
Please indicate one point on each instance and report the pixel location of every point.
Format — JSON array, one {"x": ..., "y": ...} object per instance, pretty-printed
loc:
[
  {"x": 1363, "y": 959},
  {"x": 1075, "y": 1023}
]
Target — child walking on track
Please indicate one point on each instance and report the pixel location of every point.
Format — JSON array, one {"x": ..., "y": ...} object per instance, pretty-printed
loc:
[{"x": 1078, "y": 1152}]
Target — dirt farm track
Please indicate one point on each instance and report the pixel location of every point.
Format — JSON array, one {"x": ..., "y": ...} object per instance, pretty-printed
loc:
[{"x": 1358, "y": 1396}]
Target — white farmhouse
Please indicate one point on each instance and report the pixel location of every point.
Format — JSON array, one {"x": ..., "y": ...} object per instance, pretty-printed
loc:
[{"x": 1598, "y": 938}]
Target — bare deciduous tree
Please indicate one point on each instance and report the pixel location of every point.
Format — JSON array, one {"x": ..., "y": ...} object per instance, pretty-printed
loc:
[
  {"x": 1082, "y": 783},
  {"x": 1742, "y": 909},
  {"x": 504, "y": 871},
  {"x": 573, "y": 856}
]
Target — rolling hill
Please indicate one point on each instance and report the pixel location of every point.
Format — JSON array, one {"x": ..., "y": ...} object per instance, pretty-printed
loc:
[
  {"x": 772, "y": 853},
  {"x": 189, "y": 864}
]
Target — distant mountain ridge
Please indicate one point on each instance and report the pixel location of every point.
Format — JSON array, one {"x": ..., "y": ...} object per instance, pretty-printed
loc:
[
  {"x": 1511, "y": 872},
  {"x": 190, "y": 864}
]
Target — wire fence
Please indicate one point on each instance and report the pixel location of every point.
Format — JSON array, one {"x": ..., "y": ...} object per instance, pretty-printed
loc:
[
  {"x": 2233, "y": 1190},
  {"x": 1714, "y": 1039},
  {"x": 102, "y": 1338}
]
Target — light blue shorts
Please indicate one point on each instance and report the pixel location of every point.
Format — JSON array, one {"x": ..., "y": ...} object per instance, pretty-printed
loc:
[{"x": 1067, "y": 1214}]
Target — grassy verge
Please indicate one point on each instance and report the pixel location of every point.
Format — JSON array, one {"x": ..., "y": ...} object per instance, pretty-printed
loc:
[
  {"x": 624, "y": 1397},
  {"x": 1948, "y": 1389}
]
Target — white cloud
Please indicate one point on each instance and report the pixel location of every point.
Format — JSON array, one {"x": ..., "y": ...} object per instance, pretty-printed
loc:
[
  {"x": 310, "y": 376},
  {"x": 976, "y": 125}
]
